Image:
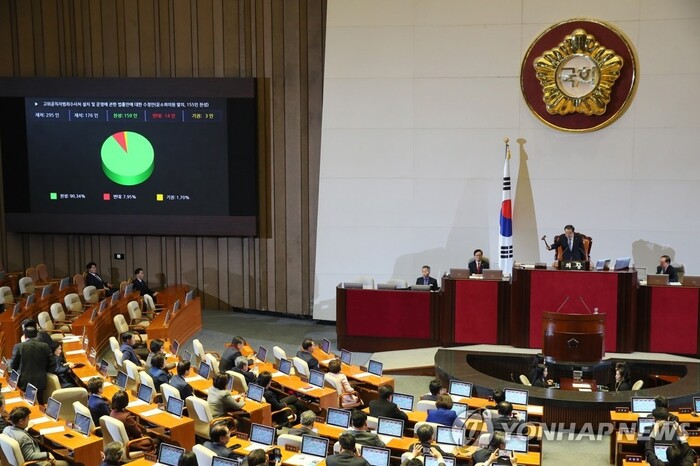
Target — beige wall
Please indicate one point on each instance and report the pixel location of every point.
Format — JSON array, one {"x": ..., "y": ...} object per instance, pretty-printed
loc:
[{"x": 280, "y": 41}]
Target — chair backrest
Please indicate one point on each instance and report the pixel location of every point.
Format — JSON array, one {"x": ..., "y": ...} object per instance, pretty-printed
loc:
[
  {"x": 122, "y": 287},
  {"x": 587, "y": 244},
  {"x": 638, "y": 385},
  {"x": 213, "y": 362},
  {"x": 31, "y": 273},
  {"x": 132, "y": 371},
  {"x": 524, "y": 380},
  {"x": 146, "y": 379},
  {"x": 239, "y": 382},
  {"x": 372, "y": 422},
  {"x": 26, "y": 285},
  {"x": 434, "y": 425},
  {"x": 301, "y": 366},
  {"x": 79, "y": 282},
  {"x": 6, "y": 291},
  {"x": 67, "y": 396},
  {"x": 425, "y": 405},
  {"x": 198, "y": 409},
  {"x": 119, "y": 359},
  {"x": 279, "y": 353},
  {"x": 167, "y": 391},
  {"x": 42, "y": 273},
  {"x": 79, "y": 407},
  {"x": 120, "y": 324},
  {"x": 57, "y": 312},
  {"x": 113, "y": 343},
  {"x": 134, "y": 310},
  {"x": 203, "y": 454},
  {"x": 484, "y": 440},
  {"x": 44, "y": 321},
  {"x": 52, "y": 384},
  {"x": 91, "y": 295},
  {"x": 287, "y": 439},
  {"x": 113, "y": 431},
  {"x": 11, "y": 453},
  {"x": 150, "y": 304},
  {"x": 199, "y": 355},
  {"x": 367, "y": 282},
  {"x": 73, "y": 302}
]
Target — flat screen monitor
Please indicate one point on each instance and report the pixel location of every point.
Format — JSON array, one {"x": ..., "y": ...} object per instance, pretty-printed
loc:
[
  {"x": 167, "y": 317},
  {"x": 346, "y": 357},
  {"x": 53, "y": 408},
  {"x": 338, "y": 417},
  {"x": 326, "y": 345},
  {"x": 317, "y": 378},
  {"x": 174, "y": 346},
  {"x": 255, "y": 392},
  {"x": 390, "y": 427},
  {"x": 375, "y": 367},
  {"x": 204, "y": 370},
  {"x": 262, "y": 435},
  {"x": 128, "y": 289},
  {"x": 353, "y": 285},
  {"x": 516, "y": 443},
  {"x": 82, "y": 423},
  {"x": 30, "y": 300},
  {"x": 103, "y": 305},
  {"x": 117, "y": 155},
  {"x": 261, "y": 354},
  {"x": 461, "y": 409},
  {"x": 186, "y": 356},
  {"x": 104, "y": 366},
  {"x": 376, "y": 456},
  {"x": 420, "y": 287},
  {"x": 221, "y": 461},
  {"x": 403, "y": 401},
  {"x": 17, "y": 310},
  {"x": 145, "y": 393},
  {"x": 622, "y": 263},
  {"x": 30, "y": 394},
  {"x": 122, "y": 380},
  {"x": 176, "y": 307},
  {"x": 115, "y": 297},
  {"x": 229, "y": 384},
  {"x": 285, "y": 366},
  {"x": 643, "y": 404},
  {"x": 696, "y": 404},
  {"x": 644, "y": 426},
  {"x": 520, "y": 415},
  {"x": 188, "y": 297},
  {"x": 461, "y": 389},
  {"x": 314, "y": 446},
  {"x": 432, "y": 461},
  {"x": 516, "y": 397},
  {"x": 175, "y": 406},
  {"x": 450, "y": 436},
  {"x": 660, "y": 450},
  {"x": 46, "y": 291},
  {"x": 602, "y": 264},
  {"x": 169, "y": 455},
  {"x": 95, "y": 310},
  {"x": 12, "y": 381},
  {"x": 65, "y": 282}
]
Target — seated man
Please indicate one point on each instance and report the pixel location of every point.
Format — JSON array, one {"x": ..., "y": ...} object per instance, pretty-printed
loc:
[
  {"x": 97, "y": 404},
  {"x": 306, "y": 353},
  {"x": 178, "y": 380},
  {"x": 435, "y": 389},
  {"x": 477, "y": 265},
  {"x": 415, "y": 458},
  {"x": 291, "y": 401},
  {"x": 92, "y": 278},
  {"x": 665, "y": 267},
  {"x": 505, "y": 422},
  {"x": 112, "y": 454},
  {"x": 385, "y": 407},
  {"x": 219, "y": 435},
  {"x": 678, "y": 454},
  {"x": 348, "y": 454},
  {"x": 19, "y": 417},
  {"x": 426, "y": 279},
  {"x": 231, "y": 353},
  {"x": 242, "y": 368},
  {"x": 155, "y": 346},
  {"x": 425, "y": 434},
  {"x": 127, "y": 349},
  {"x": 157, "y": 372},
  {"x": 141, "y": 286},
  {"x": 258, "y": 457},
  {"x": 496, "y": 443},
  {"x": 307, "y": 420},
  {"x": 219, "y": 399},
  {"x": 362, "y": 434}
]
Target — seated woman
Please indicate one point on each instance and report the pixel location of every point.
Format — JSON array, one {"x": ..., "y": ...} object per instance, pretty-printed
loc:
[
  {"x": 157, "y": 371},
  {"x": 539, "y": 377},
  {"x": 350, "y": 396},
  {"x": 61, "y": 368},
  {"x": 623, "y": 378},
  {"x": 97, "y": 404},
  {"x": 120, "y": 400},
  {"x": 443, "y": 414},
  {"x": 219, "y": 399}
]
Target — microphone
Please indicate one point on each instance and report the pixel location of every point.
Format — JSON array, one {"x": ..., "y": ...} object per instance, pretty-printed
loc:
[
  {"x": 562, "y": 304},
  {"x": 584, "y": 303}
]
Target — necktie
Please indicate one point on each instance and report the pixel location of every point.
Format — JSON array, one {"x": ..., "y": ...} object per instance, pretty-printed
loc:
[
  {"x": 571, "y": 244},
  {"x": 478, "y": 267},
  {"x": 425, "y": 280}
]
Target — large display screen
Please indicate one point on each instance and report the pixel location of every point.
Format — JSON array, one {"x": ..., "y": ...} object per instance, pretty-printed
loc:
[{"x": 130, "y": 156}]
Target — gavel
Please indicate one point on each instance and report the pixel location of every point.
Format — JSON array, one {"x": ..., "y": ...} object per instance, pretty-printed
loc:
[{"x": 544, "y": 238}]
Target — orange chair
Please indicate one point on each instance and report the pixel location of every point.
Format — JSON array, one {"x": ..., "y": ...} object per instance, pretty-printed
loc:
[{"x": 587, "y": 244}]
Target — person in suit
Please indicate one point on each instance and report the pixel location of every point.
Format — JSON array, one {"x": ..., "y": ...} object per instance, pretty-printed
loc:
[
  {"x": 291, "y": 401},
  {"x": 97, "y": 404},
  {"x": 623, "y": 379},
  {"x": 258, "y": 457},
  {"x": 497, "y": 442},
  {"x": 219, "y": 435},
  {"x": 443, "y": 414},
  {"x": 61, "y": 368},
  {"x": 231, "y": 353},
  {"x": 426, "y": 434},
  {"x": 426, "y": 279},
  {"x": 383, "y": 406},
  {"x": 19, "y": 417},
  {"x": 505, "y": 422},
  {"x": 33, "y": 360},
  {"x": 661, "y": 402},
  {"x": 219, "y": 399},
  {"x": 140, "y": 284},
  {"x": 360, "y": 431},
  {"x": 571, "y": 244},
  {"x": 243, "y": 369},
  {"x": 539, "y": 377},
  {"x": 679, "y": 453},
  {"x": 666, "y": 268},
  {"x": 415, "y": 458},
  {"x": 306, "y": 353},
  {"x": 127, "y": 349},
  {"x": 478, "y": 264},
  {"x": 307, "y": 420},
  {"x": 434, "y": 389},
  {"x": 178, "y": 380},
  {"x": 155, "y": 346},
  {"x": 134, "y": 431},
  {"x": 92, "y": 278},
  {"x": 348, "y": 455},
  {"x": 112, "y": 454},
  {"x": 157, "y": 372},
  {"x": 4, "y": 421}
]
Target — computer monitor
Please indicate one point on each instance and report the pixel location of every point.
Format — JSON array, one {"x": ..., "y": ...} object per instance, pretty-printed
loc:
[
  {"x": 46, "y": 291},
  {"x": 174, "y": 346},
  {"x": 82, "y": 423},
  {"x": 175, "y": 406},
  {"x": 229, "y": 384},
  {"x": 221, "y": 461},
  {"x": 285, "y": 366},
  {"x": 644, "y": 426},
  {"x": 102, "y": 369},
  {"x": 262, "y": 435},
  {"x": 622, "y": 263},
  {"x": 375, "y": 367},
  {"x": 326, "y": 345},
  {"x": 122, "y": 380},
  {"x": 516, "y": 443},
  {"x": 262, "y": 354},
  {"x": 95, "y": 311},
  {"x": 345, "y": 357},
  {"x": 103, "y": 306},
  {"x": 450, "y": 436},
  {"x": 30, "y": 394},
  {"x": 255, "y": 392},
  {"x": 390, "y": 427},
  {"x": 516, "y": 397},
  {"x": 376, "y": 456},
  {"x": 520, "y": 415},
  {"x": 461, "y": 409},
  {"x": 459, "y": 388},
  {"x": 602, "y": 264},
  {"x": 403, "y": 401},
  {"x": 643, "y": 404},
  {"x": 145, "y": 393},
  {"x": 169, "y": 455},
  {"x": 65, "y": 282},
  {"x": 696, "y": 404},
  {"x": 188, "y": 297},
  {"x": 176, "y": 307},
  {"x": 204, "y": 369},
  {"x": 317, "y": 378},
  {"x": 16, "y": 310},
  {"x": 53, "y": 408},
  {"x": 30, "y": 300},
  {"x": 115, "y": 297},
  {"x": 432, "y": 461},
  {"x": 314, "y": 446},
  {"x": 186, "y": 356},
  {"x": 660, "y": 450},
  {"x": 420, "y": 287},
  {"x": 338, "y": 418},
  {"x": 128, "y": 289},
  {"x": 167, "y": 317},
  {"x": 353, "y": 285},
  {"x": 12, "y": 381}
]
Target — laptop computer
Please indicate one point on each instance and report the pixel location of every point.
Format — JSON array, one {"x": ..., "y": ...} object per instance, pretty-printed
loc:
[
  {"x": 221, "y": 461},
  {"x": 386, "y": 286},
  {"x": 12, "y": 381},
  {"x": 459, "y": 274},
  {"x": 376, "y": 456},
  {"x": 644, "y": 426},
  {"x": 459, "y": 389},
  {"x": 285, "y": 366},
  {"x": 420, "y": 287},
  {"x": 691, "y": 280},
  {"x": 261, "y": 355},
  {"x": 643, "y": 404},
  {"x": 30, "y": 394},
  {"x": 602, "y": 264},
  {"x": 520, "y": 415},
  {"x": 660, "y": 450},
  {"x": 390, "y": 427},
  {"x": 622, "y": 263},
  {"x": 53, "y": 408},
  {"x": 317, "y": 378},
  {"x": 313, "y": 451},
  {"x": 516, "y": 443},
  {"x": 145, "y": 393},
  {"x": 461, "y": 409},
  {"x": 261, "y": 437},
  {"x": 186, "y": 356},
  {"x": 450, "y": 436},
  {"x": 403, "y": 401},
  {"x": 175, "y": 406},
  {"x": 326, "y": 345},
  {"x": 255, "y": 392},
  {"x": 352, "y": 286},
  {"x": 103, "y": 367},
  {"x": 204, "y": 370},
  {"x": 82, "y": 423},
  {"x": 338, "y": 417},
  {"x": 174, "y": 346},
  {"x": 492, "y": 274},
  {"x": 345, "y": 357},
  {"x": 169, "y": 455},
  {"x": 122, "y": 380},
  {"x": 657, "y": 279},
  {"x": 516, "y": 397},
  {"x": 375, "y": 367},
  {"x": 432, "y": 461}
]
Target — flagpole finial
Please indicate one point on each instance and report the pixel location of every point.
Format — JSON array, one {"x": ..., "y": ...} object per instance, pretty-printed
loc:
[{"x": 506, "y": 140}]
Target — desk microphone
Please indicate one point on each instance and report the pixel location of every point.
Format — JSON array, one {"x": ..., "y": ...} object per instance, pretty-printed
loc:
[
  {"x": 562, "y": 304},
  {"x": 584, "y": 303}
]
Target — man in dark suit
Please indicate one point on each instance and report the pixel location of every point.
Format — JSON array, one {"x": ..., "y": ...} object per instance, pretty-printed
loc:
[
  {"x": 665, "y": 267},
  {"x": 220, "y": 435},
  {"x": 178, "y": 380},
  {"x": 231, "y": 352},
  {"x": 426, "y": 279},
  {"x": 477, "y": 265},
  {"x": 32, "y": 362},
  {"x": 140, "y": 284},
  {"x": 92, "y": 278},
  {"x": 243, "y": 369},
  {"x": 505, "y": 422},
  {"x": 383, "y": 406},
  {"x": 571, "y": 244},
  {"x": 348, "y": 454},
  {"x": 361, "y": 432},
  {"x": 307, "y": 420},
  {"x": 307, "y": 353}
]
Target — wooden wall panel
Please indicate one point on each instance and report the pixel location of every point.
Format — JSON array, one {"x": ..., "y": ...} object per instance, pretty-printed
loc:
[{"x": 281, "y": 42}]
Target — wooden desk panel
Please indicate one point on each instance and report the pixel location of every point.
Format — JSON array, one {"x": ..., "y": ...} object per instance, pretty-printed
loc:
[
  {"x": 668, "y": 320},
  {"x": 99, "y": 330},
  {"x": 183, "y": 325}
]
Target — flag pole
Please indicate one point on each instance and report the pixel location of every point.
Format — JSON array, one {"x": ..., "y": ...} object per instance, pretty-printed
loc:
[{"x": 505, "y": 233}]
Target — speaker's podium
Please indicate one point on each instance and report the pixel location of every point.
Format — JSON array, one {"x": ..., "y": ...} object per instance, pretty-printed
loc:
[{"x": 573, "y": 338}]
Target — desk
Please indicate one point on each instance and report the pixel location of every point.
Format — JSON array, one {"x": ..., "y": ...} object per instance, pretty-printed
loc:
[
  {"x": 99, "y": 330},
  {"x": 184, "y": 324},
  {"x": 566, "y": 383},
  {"x": 668, "y": 320}
]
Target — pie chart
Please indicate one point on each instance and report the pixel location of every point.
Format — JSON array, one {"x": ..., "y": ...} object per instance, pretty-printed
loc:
[{"x": 127, "y": 158}]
